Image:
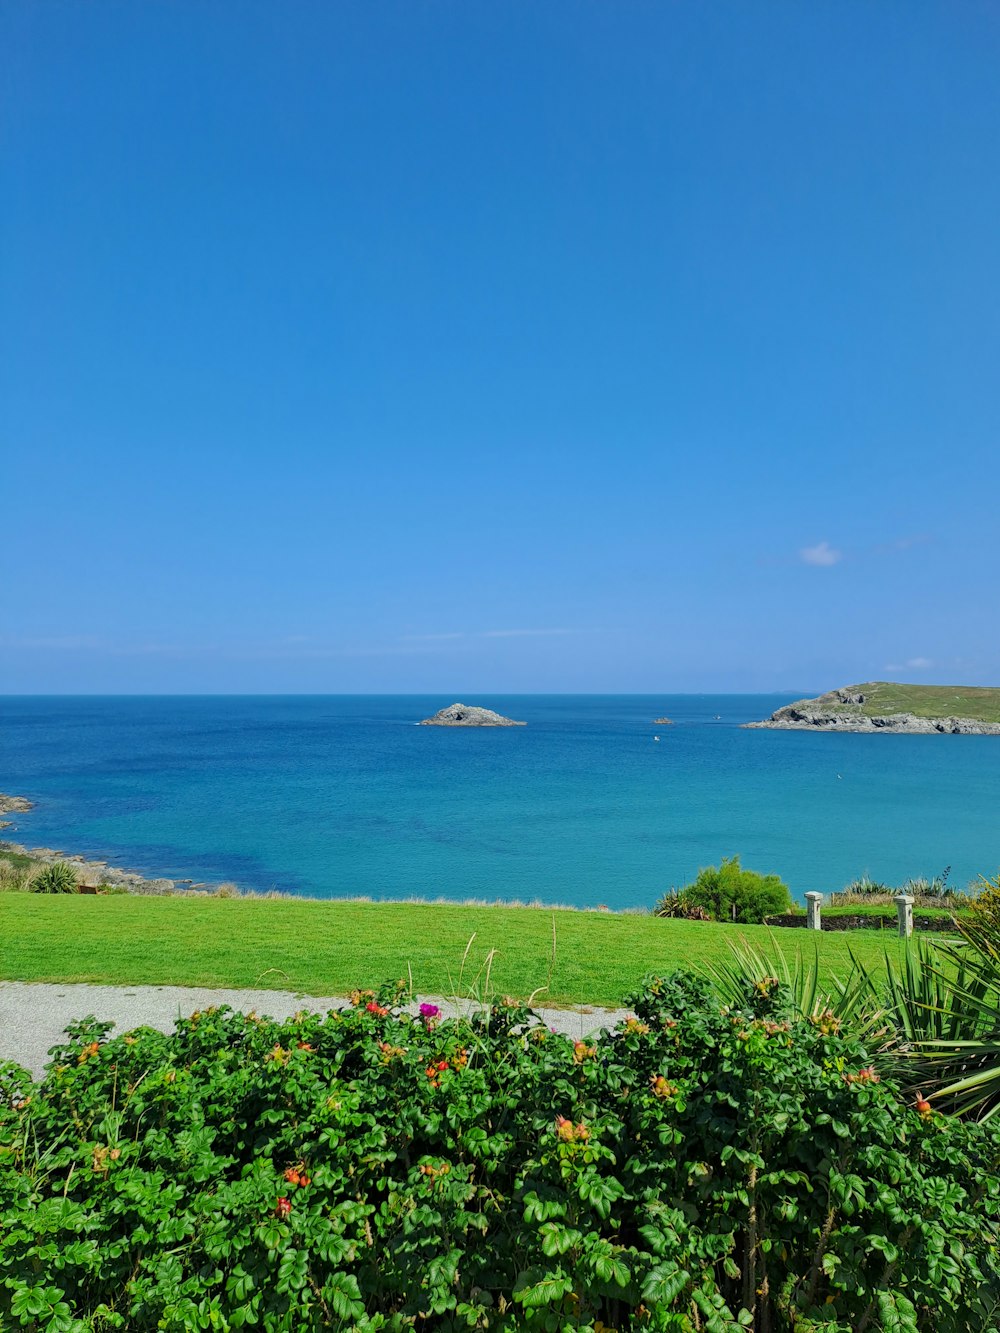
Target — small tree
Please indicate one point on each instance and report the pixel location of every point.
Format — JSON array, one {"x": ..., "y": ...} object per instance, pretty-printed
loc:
[{"x": 730, "y": 893}]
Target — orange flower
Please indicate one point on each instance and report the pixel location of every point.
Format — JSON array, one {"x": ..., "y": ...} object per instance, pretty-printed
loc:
[
  {"x": 866, "y": 1075},
  {"x": 570, "y": 1133},
  {"x": 90, "y": 1049}
]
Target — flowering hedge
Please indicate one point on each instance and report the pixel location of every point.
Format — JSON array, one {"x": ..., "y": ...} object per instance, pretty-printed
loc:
[{"x": 698, "y": 1168}]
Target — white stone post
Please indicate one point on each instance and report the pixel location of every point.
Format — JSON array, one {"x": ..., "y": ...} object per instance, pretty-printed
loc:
[
  {"x": 904, "y": 910},
  {"x": 813, "y": 921}
]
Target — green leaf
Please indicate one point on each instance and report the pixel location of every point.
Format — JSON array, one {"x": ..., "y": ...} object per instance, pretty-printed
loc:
[
  {"x": 896, "y": 1312},
  {"x": 664, "y": 1283},
  {"x": 533, "y": 1288},
  {"x": 344, "y": 1294},
  {"x": 557, "y": 1239}
]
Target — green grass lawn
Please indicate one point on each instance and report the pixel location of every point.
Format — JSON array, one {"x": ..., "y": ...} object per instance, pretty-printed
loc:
[
  {"x": 328, "y": 948},
  {"x": 888, "y": 910}
]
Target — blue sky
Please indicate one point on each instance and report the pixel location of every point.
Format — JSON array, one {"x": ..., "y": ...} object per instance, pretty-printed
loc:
[{"x": 525, "y": 346}]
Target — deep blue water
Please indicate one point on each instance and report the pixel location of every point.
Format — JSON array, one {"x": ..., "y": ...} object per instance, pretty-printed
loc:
[{"x": 343, "y": 795}]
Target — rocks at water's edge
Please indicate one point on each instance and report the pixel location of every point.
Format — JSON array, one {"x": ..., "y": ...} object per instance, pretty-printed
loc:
[
  {"x": 14, "y": 805},
  {"x": 663, "y": 721},
  {"x": 93, "y": 874},
  {"x": 90, "y": 874},
  {"x": 795, "y": 718},
  {"x": 462, "y": 715}
]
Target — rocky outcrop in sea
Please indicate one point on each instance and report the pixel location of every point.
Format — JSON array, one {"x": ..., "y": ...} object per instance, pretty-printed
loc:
[
  {"x": 14, "y": 805},
  {"x": 462, "y": 715}
]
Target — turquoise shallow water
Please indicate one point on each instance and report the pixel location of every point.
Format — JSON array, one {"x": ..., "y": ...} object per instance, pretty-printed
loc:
[{"x": 343, "y": 795}]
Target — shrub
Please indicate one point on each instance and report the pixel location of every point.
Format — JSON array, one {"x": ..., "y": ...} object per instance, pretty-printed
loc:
[
  {"x": 699, "y": 1167},
  {"x": 59, "y": 877},
  {"x": 730, "y": 893}
]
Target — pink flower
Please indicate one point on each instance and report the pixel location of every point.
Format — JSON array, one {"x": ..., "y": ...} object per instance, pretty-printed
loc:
[{"x": 429, "y": 1011}]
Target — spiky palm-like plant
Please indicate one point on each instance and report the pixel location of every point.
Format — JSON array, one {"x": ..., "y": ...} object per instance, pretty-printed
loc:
[
  {"x": 948, "y": 1005},
  {"x": 851, "y": 1002},
  {"x": 56, "y": 878}
]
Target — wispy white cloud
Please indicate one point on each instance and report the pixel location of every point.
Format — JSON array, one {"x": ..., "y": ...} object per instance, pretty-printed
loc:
[
  {"x": 822, "y": 554},
  {"x": 906, "y": 543},
  {"x": 68, "y": 642},
  {"x": 481, "y": 634},
  {"x": 521, "y": 633},
  {"x": 911, "y": 664},
  {"x": 433, "y": 638}
]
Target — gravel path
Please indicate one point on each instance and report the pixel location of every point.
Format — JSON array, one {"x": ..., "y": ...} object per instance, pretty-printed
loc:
[{"x": 34, "y": 1015}]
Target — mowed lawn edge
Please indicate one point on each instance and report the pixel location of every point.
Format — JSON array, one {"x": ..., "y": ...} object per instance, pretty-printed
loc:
[{"x": 330, "y": 947}]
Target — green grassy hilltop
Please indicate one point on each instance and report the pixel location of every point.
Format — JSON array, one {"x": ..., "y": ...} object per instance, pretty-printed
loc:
[
  {"x": 883, "y": 698},
  {"x": 974, "y": 701}
]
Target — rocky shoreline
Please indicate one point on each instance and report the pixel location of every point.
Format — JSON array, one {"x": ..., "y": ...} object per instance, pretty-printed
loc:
[
  {"x": 902, "y": 723},
  {"x": 14, "y": 805},
  {"x": 842, "y": 710},
  {"x": 92, "y": 875}
]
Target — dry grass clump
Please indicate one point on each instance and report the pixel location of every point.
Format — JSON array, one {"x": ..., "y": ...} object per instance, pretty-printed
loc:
[{"x": 15, "y": 878}]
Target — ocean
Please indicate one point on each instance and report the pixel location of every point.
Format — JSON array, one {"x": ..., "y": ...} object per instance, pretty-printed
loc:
[{"x": 334, "y": 796}]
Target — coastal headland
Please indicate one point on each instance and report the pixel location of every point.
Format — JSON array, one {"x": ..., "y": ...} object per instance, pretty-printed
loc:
[{"x": 884, "y": 706}]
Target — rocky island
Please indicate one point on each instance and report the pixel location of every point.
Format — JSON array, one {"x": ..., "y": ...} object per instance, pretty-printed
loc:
[
  {"x": 882, "y": 706},
  {"x": 461, "y": 715}
]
